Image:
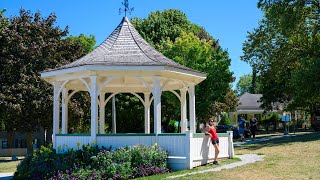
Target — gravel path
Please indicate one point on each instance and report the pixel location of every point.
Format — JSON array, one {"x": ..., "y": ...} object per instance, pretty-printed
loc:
[{"x": 245, "y": 159}]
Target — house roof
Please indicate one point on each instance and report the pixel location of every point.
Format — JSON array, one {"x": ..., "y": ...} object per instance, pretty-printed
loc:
[
  {"x": 124, "y": 47},
  {"x": 249, "y": 101}
]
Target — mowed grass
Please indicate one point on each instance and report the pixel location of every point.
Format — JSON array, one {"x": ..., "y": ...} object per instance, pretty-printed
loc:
[
  {"x": 289, "y": 158},
  {"x": 6, "y": 165}
]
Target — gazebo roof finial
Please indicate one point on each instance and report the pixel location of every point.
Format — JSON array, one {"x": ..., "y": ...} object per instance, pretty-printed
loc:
[{"x": 126, "y": 9}]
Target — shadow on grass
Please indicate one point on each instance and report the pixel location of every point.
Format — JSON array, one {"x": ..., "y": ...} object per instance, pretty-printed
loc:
[{"x": 282, "y": 141}]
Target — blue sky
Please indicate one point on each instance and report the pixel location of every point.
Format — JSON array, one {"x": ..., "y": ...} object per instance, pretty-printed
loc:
[{"x": 227, "y": 21}]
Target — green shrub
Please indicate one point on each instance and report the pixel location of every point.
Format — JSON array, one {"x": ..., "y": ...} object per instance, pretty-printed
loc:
[
  {"x": 148, "y": 156},
  {"x": 46, "y": 162},
  {"x": 224, "y": 120},
  {"x": 272, "y": 118},
  {"x": 172, "y": 126},
  {"x": 90, "y": 162}
]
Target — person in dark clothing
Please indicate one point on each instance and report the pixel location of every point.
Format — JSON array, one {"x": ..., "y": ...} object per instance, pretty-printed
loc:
[
  {"x": 242, "y": 126},
  {"x": 253, "y": 127}
]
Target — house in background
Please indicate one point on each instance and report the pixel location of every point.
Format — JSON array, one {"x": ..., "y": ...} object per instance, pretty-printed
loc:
[{"x": 249, "y": 105}]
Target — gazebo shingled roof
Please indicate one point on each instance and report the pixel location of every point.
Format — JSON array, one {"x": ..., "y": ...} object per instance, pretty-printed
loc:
[{"x": 124, "y": 47}]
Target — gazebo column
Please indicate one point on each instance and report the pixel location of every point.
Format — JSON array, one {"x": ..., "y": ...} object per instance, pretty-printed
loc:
[
  {"x": 65, "y": 102},
  {"x": 157, "y": 105},
  {"x": 114, "y": 115},
  {"x": 94, "y": 108},
  {"x": 192, "y": 108},
  {"x": 102, "y": 116},
  {"x": 56, "y": 111},
  {"x": 147, "y": 113},
  {"x": 183, "y": 102}
]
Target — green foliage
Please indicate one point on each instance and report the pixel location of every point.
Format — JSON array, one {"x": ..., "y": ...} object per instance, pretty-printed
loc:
[
  {"x": 46, "y": 162},
  {"x": 30, "y": 44},
  {"x": 129, "y": 112},
  {"x": 172, "y": 127},
  {"x": 90, "y": 162},
  {"x": 189, "y": 44},
  {"x": 244, "y": 84},
  {"x": 273, "y": 117},
  {"x": 159, "y": 26},
  {"x": 225, "y": 120},
  {"x": 285, "y": 50},
  {"x": 198, "y": 54},
  {"x": 85, "y": 42}
]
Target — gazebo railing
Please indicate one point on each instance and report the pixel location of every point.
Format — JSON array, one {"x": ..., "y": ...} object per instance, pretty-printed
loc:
[{"x": 185, "y": 151}]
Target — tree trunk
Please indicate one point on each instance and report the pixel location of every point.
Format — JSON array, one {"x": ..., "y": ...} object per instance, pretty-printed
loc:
[
  {"x": 254, "y": 80},
  {"x": 10, "y": 139},
  {"x": 29, "y": 142}
]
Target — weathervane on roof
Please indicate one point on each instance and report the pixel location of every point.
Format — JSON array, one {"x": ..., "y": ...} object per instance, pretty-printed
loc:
[{"x": 126, "y": 8}]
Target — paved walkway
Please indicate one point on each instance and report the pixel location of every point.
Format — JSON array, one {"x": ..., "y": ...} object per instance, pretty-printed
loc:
[
  {"x": 5, "y": 176},
  {"x": 245, "y": 159}
]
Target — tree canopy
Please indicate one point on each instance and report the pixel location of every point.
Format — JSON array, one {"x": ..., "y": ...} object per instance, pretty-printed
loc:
[
  {"x": 285, "y": 50},
  {"x": 29, "y": 44},
  {"x": 189, "y": 44},
  {"x": 246, "y": 84}
]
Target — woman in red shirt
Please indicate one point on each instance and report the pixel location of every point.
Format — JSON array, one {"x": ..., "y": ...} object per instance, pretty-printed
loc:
[{"x": 212, "y": 132}]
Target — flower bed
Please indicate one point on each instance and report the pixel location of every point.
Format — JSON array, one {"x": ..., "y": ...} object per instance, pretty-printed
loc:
[{"x": 90, "y": 162}]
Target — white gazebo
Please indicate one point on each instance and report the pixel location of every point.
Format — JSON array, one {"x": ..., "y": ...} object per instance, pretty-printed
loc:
[{"x": 126, "y": 63}]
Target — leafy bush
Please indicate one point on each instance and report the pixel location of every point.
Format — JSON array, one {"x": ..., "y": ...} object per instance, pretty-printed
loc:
[
  {"x": 272, "y": 119},
  {"x": 224, "y": 120},
  {"x": 90, "y": 162},
  {"x": 172, "y": 127},
  {"x": 46, "y": 162}
]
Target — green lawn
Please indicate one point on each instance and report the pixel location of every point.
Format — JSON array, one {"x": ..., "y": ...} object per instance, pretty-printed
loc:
[
  {"x": 290, "y": 158},
  {"x": 6, "y": 165}
]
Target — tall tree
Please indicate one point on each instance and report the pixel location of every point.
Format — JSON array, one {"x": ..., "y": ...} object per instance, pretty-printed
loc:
[
  {"x": 244, "y": 84},
  {"x": 86, "y": 43},
  {"x": 189, "y": 44},
  {"x": 248, "y": 83},
  {"x": 29, "y": 44},
  {"x": 284, "y": 48}
]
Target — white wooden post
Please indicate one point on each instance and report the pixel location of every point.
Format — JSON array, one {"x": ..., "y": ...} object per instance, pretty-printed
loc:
[
  {"x": 147, "y": 113},
  {"x": 102, "y": 113},
  {"x": 230, "y": 144},
  {"x": 94, "y": 108},
  {"x": 183, "y": 102},
  {"x": 192, "y": 108},
  {"x": 188, "y": 150},
  {"x": 157, "y": 105},
  {"x": 114, "y": 115},
  {"x": 65, "y": 102},
  {"x": 56, "y": 112}
]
